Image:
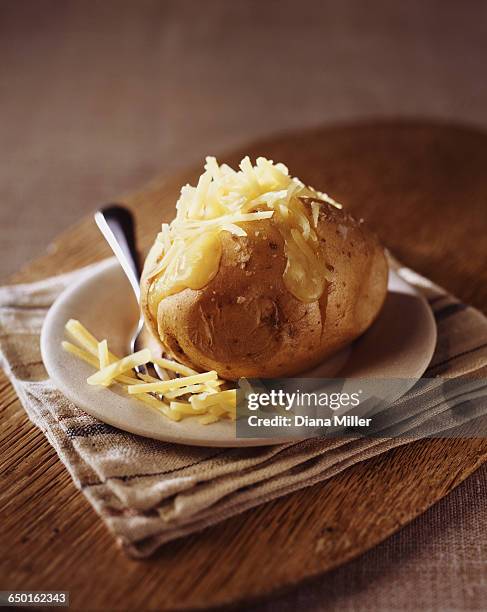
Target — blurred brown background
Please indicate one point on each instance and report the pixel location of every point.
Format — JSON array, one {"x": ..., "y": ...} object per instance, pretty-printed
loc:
[{"x": 97, "y": 97}]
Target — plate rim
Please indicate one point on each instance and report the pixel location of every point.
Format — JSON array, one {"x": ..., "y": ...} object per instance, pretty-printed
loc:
[{"x": 165, "y": 435}]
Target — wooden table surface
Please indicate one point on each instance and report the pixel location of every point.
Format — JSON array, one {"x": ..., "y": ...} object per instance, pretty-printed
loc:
[{"x": 423, "y": 188}]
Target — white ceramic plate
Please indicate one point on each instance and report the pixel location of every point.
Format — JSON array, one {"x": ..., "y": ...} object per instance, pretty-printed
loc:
[{"x": 400, "y": 344}]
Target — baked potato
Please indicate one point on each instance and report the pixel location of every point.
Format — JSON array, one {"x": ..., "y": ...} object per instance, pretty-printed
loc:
[{"x": 267, "y": 281}]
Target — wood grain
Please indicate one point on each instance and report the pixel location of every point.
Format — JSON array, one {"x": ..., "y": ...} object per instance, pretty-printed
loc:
[{"x": 423, "y": 188}]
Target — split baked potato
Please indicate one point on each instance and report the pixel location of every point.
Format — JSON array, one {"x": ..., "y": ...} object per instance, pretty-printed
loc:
[{"x": 260, "y": 276}]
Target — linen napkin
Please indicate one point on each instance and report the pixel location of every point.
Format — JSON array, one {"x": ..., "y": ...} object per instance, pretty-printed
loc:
[{"x": 149, "y": 492}]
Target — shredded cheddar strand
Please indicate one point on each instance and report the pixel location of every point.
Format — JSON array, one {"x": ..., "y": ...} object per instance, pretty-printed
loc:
[{"x": 190, "y": 394}]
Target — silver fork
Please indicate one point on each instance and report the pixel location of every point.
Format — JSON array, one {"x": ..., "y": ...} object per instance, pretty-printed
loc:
[{"x": 117, "y": 225}]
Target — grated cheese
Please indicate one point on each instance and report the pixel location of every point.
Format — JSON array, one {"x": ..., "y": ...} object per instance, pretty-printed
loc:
[
  {"x": 88, "y": 358},
  {"x": 80, "y": 353},
  {"x": 103, "y": 356},
  {"x": 188, "y": 251},
  {"x": 212, "y": 399},
  {"x": 171, "y": 385},
  {"x": 185, "y": 408},
  {"x": 107, "y": 375},
  {"x": 111, "y": 369},
  {"x": 173, "y": 366}
]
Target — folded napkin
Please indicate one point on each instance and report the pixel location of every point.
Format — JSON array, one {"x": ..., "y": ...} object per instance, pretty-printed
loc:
[{"x": 148, "y": 492}]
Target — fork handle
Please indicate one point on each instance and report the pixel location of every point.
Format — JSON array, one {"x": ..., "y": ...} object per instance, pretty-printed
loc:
[{"x": 117, "y": 225}]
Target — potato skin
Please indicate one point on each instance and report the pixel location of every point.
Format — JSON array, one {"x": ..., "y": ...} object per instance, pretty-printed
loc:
[{"x": 245, "y": 323}]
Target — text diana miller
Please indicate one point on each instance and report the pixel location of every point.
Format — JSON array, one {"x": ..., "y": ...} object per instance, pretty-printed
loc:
[{"x": 279, "y": 420}]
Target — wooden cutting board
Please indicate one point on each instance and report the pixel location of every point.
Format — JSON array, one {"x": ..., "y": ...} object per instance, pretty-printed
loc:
[{"x": 423, "y": 188}]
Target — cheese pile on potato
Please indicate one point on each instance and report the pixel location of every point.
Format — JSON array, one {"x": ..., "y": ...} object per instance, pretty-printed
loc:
[{"x": 259, "y": 275}]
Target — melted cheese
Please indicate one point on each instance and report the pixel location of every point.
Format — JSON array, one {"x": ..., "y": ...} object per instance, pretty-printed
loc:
[
  {"x": 193, "y": 266},
  {"x": 187, "y": 252}
]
